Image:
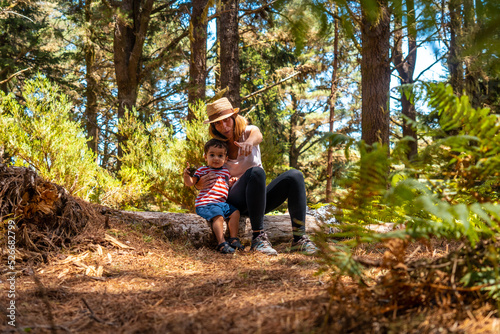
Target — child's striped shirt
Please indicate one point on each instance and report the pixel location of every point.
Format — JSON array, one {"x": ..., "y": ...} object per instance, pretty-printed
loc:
[{"x": 218, "y": 192}]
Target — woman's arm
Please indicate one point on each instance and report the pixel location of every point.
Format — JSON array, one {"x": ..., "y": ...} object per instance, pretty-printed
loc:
[
  {"x": 207, "y": 180},
  {"x": 254, "y": 139}
]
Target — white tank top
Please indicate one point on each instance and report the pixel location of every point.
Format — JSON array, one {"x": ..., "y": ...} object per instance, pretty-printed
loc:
[{"x": 239, "y": 165}]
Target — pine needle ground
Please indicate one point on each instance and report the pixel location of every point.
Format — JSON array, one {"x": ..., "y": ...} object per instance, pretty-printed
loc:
[{"x": 137, "y": 281}]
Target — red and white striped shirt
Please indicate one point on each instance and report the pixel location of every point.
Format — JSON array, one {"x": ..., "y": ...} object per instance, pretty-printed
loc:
[{"x": 218, "y": 192}]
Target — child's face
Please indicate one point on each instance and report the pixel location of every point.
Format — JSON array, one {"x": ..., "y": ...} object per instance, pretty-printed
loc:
[{"x": 215, "y": 157}]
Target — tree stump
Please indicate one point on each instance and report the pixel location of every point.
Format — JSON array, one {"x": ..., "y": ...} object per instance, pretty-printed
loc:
[{"x": 197, "y": 230}]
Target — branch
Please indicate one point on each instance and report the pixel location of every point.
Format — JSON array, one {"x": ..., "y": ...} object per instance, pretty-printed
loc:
[
  {"x": 428, "y": 67},
  {"x": 311, "y": 144},
  {"x": 253, "y": 11},
  {"x": 353, "y": 15},
  {"x": 15, "y": 13},
  {"x": 271, "y": 86},
  {"x": 162, "y": 7},
  {"x": 140, "y": 34},
  {"x": 173, "y": 43},
  {"x": 15, "y": 75}
]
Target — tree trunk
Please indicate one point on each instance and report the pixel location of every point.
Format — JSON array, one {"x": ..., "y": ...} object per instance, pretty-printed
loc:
[
  {"x": 91, "y": 84},
  {"x": 199, "y": 233},
  {"x": 198, "y": 62},
  {"x": 406, "y": 68},
  {"x": 331, "y": 103},
  {"x": 131, "y": 26},
  {"x": 472, "y": 74},
  {"x": 228, "y": 36},
  {"x": 375, "y": 76},
  {"x": 455, "y": 64},
  {"x": 293, "y": 151}
]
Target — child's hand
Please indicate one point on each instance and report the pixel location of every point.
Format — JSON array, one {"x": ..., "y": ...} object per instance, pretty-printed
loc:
[
  {"x": 189, "y": 171},
  {"x": 232, "y": 181},
  {"x": 186, "y": 170}
]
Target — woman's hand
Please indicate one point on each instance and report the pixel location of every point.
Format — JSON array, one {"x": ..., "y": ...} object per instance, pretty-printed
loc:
[
  {"x": 244, "y": 148},
  {"x": 207, "y": 180}
]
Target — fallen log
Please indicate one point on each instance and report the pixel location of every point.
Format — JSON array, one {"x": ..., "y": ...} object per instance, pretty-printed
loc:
[{"x": 198, "y": 231}]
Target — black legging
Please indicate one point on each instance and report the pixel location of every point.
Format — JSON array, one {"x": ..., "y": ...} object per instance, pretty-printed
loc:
[{"x": 251, "y": 196}]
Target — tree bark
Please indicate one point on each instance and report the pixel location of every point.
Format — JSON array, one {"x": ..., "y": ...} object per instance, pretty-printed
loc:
[
  {"x": 375, "y": 76},
  {"x": 131, "y": 27},
  {"x": 198, "y": 61},
  {"x": 331, "y": 104},
  {"x": 228, "y": 36},
  {"x": 406, "y": 68},
  {"x": 91, "y": 84},
  {"x": 472, "y": 75},
  {"x": 293, "y": 151},
  {"x": 455, "y": 64}
]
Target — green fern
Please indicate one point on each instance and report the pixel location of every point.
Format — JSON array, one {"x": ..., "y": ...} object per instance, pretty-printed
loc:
[{"x": 451, "y": 197}]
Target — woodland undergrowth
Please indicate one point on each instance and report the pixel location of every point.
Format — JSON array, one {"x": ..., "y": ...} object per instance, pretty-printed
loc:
[{"x": 450, "y": 191}]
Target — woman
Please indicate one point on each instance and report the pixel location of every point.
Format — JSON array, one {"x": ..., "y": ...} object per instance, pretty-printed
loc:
[{"x": 249, "y": 192}]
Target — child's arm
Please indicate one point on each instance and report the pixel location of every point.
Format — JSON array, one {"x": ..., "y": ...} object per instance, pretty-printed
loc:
[{"x": 188, "y": 179}]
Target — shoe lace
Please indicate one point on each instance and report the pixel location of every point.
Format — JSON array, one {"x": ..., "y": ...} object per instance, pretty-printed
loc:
[
  {"x": 262, "y": 241},
  {"x": 306, "y": 243}
]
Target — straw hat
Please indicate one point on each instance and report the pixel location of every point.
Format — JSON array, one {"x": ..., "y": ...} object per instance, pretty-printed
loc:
[{"x": 220, "y": 109}]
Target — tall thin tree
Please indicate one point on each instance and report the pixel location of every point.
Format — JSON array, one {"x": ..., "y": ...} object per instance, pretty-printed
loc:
[
  {"x": 228, "y": 38},
  {"x": 91, "y": 82},
  {"x": 331, "y": 104},
  {"x": 455, "y": 63},
  {"x": 198, "y": 60},
  {"x": 131, "y": 26},
  {"x": 405, "y": 65},
  {"x": 375, "y": 73}
]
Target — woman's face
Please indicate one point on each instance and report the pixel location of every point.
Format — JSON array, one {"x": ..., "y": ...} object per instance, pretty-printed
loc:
[{"x": 225, "y": 127}]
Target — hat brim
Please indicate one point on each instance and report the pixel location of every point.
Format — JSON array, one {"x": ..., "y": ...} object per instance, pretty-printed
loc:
[{"x": 235, "y": 111}]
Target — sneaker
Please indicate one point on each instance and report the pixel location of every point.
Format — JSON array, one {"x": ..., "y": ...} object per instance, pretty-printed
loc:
[
  {"x": 235, "y": 243},
  {"x": 224, "y": 248},
  {"x": 262, "y": 244},
  {"x": 304, "y": 245}
]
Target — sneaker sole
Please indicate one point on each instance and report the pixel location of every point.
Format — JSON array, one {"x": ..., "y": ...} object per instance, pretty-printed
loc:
[{"x": 275, "y": 253}]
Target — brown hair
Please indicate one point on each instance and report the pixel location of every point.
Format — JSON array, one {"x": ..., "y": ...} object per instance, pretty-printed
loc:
[
  {"x": 240, "y": 123},
  {"x": 215, "y": 143}
]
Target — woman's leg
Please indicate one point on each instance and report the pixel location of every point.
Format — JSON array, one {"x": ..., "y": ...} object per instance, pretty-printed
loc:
[
  {"x": 249, "y": 196},
  {"x": 289, "y": 185}
]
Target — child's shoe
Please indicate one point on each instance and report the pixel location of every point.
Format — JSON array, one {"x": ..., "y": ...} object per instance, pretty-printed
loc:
[
  {"x": 225, "y": 248},
  {"x": 235, "y": 243}
]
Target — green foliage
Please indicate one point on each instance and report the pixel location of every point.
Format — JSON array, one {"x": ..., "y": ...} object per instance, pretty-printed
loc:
[
  {"x": 38, "y": 132},
  {"x": 466, "y": 146},
  {"x": 154, "y": 159},
  {"x": 25, "y": 43},
  {"x": 428, "y": 202}
]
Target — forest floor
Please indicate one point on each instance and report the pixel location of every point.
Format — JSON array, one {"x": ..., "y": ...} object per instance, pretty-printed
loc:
[{"x": 140, "y": 282}]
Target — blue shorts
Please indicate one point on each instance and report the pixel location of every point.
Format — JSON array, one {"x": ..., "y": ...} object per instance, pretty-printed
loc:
[{"x": 212, "y": 210}]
